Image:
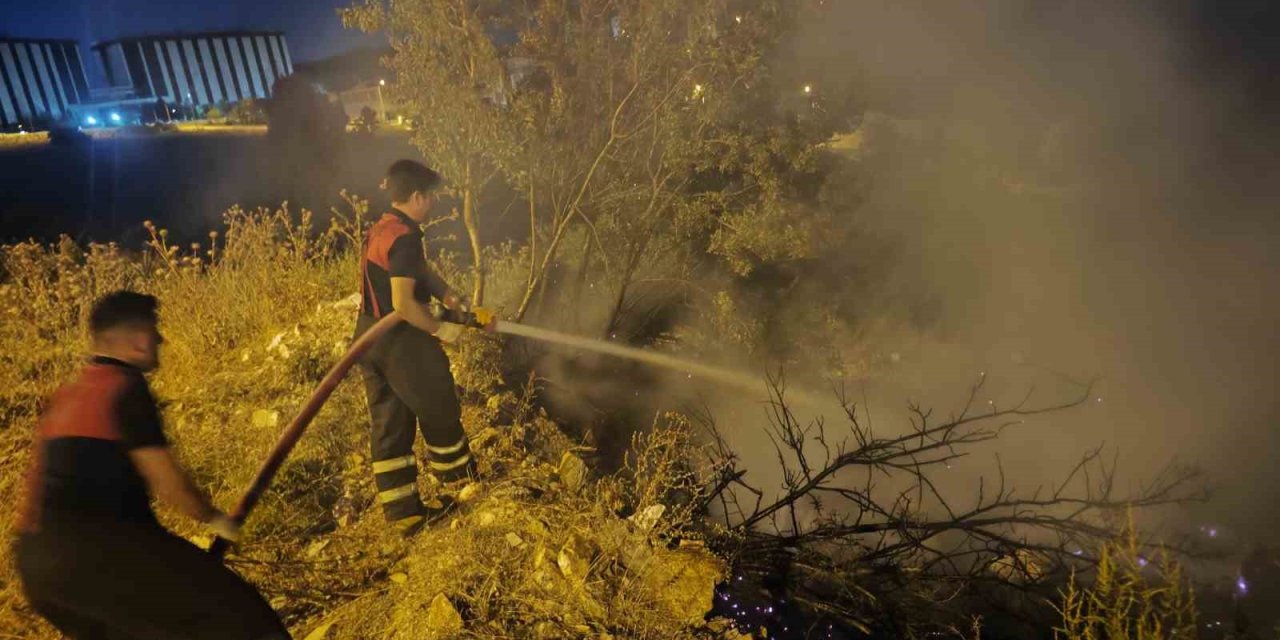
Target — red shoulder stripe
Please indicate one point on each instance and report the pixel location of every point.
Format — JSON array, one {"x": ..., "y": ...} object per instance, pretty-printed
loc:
[
  {"x": 381, "y": 236},
  {"x": 86, "y": 407}
]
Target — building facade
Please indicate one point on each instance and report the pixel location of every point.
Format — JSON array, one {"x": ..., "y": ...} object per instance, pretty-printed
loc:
[
  {"x": 197, "y": 69},
  {"x": 40, "y": 82}
]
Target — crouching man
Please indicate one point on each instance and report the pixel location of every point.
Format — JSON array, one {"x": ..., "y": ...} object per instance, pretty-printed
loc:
[{"x": 92, "y": 557}]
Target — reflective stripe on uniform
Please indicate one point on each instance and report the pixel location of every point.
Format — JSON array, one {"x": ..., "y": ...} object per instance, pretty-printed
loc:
[
  {"x": 394, "y": 464},
  {"x": 451, "y": 465},
  {"x": 444, "y": 451},
  {"x": 398, "y": 493}
]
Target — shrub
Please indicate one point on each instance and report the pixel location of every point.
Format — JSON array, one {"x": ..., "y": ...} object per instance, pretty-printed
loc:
[
  {"x": 367, "y": 123},
  {"x": 248, "y": 112},
  {"x": 1137, "y": 594}
]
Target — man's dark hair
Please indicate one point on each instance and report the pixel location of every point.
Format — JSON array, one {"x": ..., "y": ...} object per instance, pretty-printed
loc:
[
  {"x": 122, "y": 308},
  {"x": 406, "y": 176}
]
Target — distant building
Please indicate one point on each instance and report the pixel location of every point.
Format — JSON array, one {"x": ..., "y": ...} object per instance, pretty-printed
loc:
[
  {"x": 199, "y": 69},
  {"x": 40, "y": 81}
]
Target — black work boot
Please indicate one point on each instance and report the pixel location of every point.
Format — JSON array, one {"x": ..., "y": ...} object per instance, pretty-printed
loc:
[{"x": 433, "y": 511}]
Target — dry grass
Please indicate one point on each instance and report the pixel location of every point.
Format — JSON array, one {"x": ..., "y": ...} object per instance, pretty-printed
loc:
[
  {"x": 20, "y": 140},
  {"x": 216, "y": 128},
  {"x": 1135, "y": 595},
  {"x": 219, "y": 306},
  {"x": 253, "y": 319}
]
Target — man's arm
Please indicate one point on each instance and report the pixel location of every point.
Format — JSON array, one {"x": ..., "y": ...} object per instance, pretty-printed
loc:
[
  {"x": 142, "y": 434},
  {"x": 169, "y": 482},
  {"x": 406, "y": 260},
  {"x": 413, "y": 312},
  {"x": 437, "y": 287}
]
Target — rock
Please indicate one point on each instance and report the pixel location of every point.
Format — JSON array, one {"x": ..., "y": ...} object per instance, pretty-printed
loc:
[
  {"x": 647, "y": 519},
  {"x": 321, "y": 632},
  {"x": 632, "y": 548},
  {"x": 469, "y": 493},
  {"x": 544, "y": 568},
  {"x": 719, "y": 625},
  {"x": 574, "y": 559},
  {"x": 725, "y": 629},
  {"x": 442, "y": 620},
  {"x": 683, "y": 582},
  {"x": 572, "y": 472},
  {"x": 536, "y": 528},
  {"x": 482, "y": 439},
  {"x": 265, "y": 418}
]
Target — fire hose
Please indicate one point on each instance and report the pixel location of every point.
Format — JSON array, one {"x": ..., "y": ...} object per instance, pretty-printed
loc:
[{"x": 292, "y": 434}]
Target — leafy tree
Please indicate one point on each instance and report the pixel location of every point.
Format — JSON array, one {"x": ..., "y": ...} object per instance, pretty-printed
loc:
[
  {"x": 367, "y": 123},
  {"x": 305, "y": 130},
  {"x": 631, "y": 129},
  {"x": 248, "y": 112},
  {"x": 449, "y": 72}
]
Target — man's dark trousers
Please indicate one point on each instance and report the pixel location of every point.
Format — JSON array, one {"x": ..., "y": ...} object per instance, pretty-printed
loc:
[
  {"x": 407, "y": 382},
  {"x": 112, "y": 580}
]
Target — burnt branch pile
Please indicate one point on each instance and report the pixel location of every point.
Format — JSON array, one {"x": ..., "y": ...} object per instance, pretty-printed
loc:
[{"x": 863, "y": 524}]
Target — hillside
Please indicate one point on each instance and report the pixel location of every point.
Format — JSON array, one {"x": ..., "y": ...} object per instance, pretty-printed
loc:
[{"x": 539, "y": 548}]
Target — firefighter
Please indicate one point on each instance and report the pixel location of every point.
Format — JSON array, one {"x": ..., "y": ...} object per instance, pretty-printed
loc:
[
  {"x": 406, "y": 375},
  {"x": 91, "y": 555}
]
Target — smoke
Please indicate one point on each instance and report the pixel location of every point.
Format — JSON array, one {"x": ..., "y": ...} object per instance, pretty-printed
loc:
[
  {"x": 1082, "y": 189},
  {"x": 1079, "y": 191}
]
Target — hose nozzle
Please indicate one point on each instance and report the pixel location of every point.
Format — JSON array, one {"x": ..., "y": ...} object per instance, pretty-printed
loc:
[{"x": 477, "y": 318}]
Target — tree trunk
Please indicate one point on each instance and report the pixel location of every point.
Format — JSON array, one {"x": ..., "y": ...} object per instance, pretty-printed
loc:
[
  {"x": 469, "y": 220},
  {"x": 633, "y": 262},
  {"x": 538, "y": 280},
  {"x": 580, "y": 286}
]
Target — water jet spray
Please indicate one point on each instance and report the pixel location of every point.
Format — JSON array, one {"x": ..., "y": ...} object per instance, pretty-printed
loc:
[{"x": 745, "y": 382}]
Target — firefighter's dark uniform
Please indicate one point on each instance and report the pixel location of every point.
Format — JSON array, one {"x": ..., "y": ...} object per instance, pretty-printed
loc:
[
  {"x": 406, "y": 375},
  {"x": 92, "y": 557}
]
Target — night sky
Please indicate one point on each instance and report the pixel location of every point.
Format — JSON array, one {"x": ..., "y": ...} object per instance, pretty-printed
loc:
[
  {"x": 1234, "y": 32},
  {"x": 312, "y": 26}
]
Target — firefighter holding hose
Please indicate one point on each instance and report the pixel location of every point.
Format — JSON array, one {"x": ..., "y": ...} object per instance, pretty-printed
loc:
[
  {"x": 93, "y": 559},
  {"x": 406, "y": 374}
]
